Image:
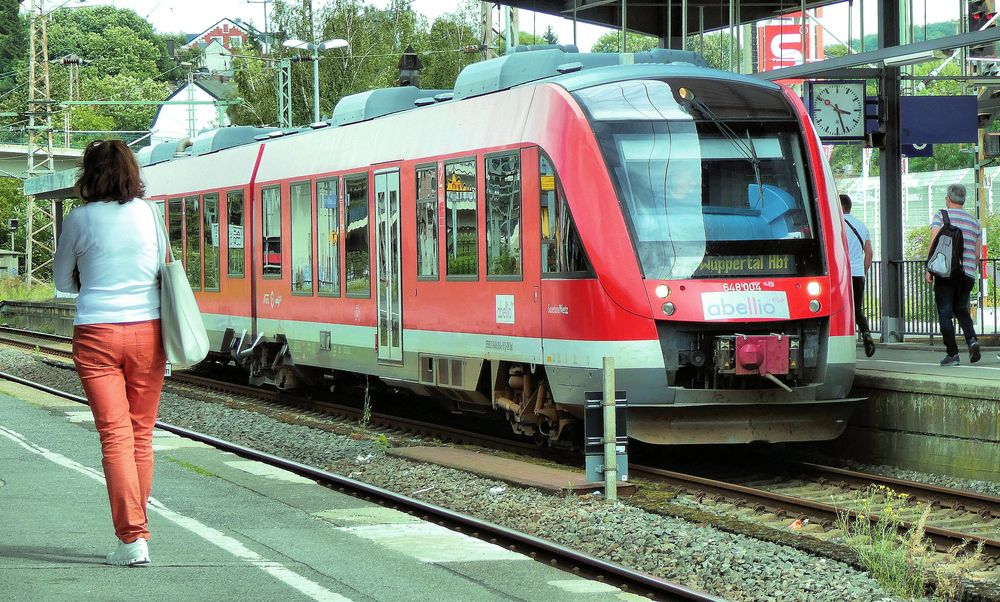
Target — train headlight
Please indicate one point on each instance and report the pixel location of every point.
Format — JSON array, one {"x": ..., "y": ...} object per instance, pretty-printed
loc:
[
  {"x": 814, "y": 306},
  {"x": 663, "y": 291},
  {"x": 669, "y": 308},
  {"x": 814, "y": 289}
]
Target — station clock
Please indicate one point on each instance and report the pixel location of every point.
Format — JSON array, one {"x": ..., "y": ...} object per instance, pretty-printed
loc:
[{"x": 838, "y": 109}]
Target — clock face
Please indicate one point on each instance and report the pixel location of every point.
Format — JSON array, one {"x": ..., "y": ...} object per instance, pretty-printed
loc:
[{"x": 838, "y": 109}]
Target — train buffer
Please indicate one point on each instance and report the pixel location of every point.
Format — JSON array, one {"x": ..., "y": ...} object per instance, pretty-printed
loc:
[{"x": 225, "y": 528}]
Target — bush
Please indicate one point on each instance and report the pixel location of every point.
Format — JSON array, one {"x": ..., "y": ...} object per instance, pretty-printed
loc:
[{"x": 13, "y": 288}]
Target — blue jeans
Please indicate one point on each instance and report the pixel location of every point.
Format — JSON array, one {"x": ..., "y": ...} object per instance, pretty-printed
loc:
[{"x": 952, "y": 299}]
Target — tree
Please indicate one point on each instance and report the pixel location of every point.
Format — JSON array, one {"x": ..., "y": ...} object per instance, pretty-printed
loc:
[
  {"x": 550, "y": 36},
  {"x": 526, "y": 39},
  {"x": 13, "y": 43},
  {"x": 636, "y": 42},
  {"x": 449, "y": 34}
]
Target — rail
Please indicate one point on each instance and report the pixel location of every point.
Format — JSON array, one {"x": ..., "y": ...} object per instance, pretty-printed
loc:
[{"x": 919, "y": 312}]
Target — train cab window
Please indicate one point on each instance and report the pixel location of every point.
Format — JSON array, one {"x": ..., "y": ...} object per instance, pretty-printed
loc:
[
  {"x": 175, "y": 228},
  {"x": 427, "y": 223},
  {"x": 562, "y": 252},
  {"x": 328, "y": 236},
  {"x": 302, "y": 243},
  {"x": 461, "y": 221},
  {"x": 210, "y": 208},
  {"x": 503, "y": 215},
  {"x": 192, "y": 246},
  {"x": 271, "y": 232},
  {"x": 234, "y": 211},
  {"x": 358, "y": 268}
]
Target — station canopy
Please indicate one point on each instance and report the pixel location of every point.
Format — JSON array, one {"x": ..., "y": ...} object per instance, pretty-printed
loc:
[{"x": 663, "y": 18}]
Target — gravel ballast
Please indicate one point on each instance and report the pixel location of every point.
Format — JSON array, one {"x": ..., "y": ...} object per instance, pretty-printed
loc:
[{"x": 731, "y": 566}]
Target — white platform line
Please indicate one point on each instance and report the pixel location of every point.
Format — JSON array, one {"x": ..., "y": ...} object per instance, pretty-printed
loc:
[{"x": 236, "y": 548}]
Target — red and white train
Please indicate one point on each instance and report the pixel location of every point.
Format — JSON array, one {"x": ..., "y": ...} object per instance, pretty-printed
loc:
[{"x": 489, "y": 246}]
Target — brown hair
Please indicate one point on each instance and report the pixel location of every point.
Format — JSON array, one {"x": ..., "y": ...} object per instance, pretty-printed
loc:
[{"x": 109, "y": 172}]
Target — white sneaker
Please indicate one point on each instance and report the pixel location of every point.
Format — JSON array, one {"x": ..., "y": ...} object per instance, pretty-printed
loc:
[{"x": 130, "y": 554}]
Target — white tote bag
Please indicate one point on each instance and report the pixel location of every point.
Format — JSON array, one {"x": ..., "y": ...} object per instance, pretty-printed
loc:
[{"x": 184, "y": 338}]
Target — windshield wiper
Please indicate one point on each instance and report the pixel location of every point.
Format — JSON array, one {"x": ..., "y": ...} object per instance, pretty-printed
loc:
[{"x": 747, "y": 148}]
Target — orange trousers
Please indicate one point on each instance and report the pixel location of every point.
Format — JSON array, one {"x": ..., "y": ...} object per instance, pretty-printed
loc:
[{"x": 121, "y": 367}]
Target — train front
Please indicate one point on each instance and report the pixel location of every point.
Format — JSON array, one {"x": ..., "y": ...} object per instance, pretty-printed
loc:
[{"x": 737, "y": 230}]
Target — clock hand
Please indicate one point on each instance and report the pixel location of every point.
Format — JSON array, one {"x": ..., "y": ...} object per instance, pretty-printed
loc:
[
  {"x": 840, "y": 116},
  {"x": 841, "y": 111}
]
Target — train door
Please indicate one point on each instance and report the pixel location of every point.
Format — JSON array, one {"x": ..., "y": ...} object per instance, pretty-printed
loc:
[{"x": 387, "y": 266}]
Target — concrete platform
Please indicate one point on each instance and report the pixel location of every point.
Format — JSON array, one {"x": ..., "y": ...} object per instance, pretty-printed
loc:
[
  {"x": 506, "y": 469},
  {"x": 224, "y": 528},
  {"x": 924, "y": 416}
]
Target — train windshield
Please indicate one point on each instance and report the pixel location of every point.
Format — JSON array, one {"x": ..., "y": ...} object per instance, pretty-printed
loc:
[{"x": 708, "y": 191}]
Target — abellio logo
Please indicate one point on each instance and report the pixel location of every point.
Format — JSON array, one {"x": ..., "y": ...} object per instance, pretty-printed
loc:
[{"x": 744, "y": 305}]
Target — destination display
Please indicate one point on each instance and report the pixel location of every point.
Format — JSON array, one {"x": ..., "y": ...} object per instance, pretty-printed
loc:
[{"x": 746, "y": 265}]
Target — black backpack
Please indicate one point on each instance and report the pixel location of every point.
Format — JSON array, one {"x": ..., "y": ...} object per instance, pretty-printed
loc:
[{"x": 945, "y": 258}]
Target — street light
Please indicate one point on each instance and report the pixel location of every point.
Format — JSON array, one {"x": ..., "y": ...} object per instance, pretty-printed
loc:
[{"x": 315, "y": 48}]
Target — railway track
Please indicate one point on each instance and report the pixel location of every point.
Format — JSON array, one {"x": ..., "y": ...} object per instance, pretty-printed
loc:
[
  {"x": 813, "y": 492},
  {"x": 819, "y": 493},
  {"x": 539, "y": 549}
]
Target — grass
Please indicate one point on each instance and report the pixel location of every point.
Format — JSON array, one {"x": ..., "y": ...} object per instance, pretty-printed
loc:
[
  {"x": 199, "y": 470},
  {"x": 14, "y": 289},
  {"x": 903, "y": 562}
]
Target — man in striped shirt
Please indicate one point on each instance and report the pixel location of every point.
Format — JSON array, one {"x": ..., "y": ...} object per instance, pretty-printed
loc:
[{"x": 952, "y": 294}]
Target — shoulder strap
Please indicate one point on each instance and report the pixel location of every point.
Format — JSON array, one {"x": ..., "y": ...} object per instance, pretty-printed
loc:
[
  {"x": 161, "y": 235},
  {"x": 856, "y": 233},
  {"x": 945, "y": 218}
]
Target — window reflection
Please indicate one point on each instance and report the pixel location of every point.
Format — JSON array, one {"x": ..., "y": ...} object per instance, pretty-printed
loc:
[
  {"x": 328, "y": 236},
  {"x": 192, "y": 252},
  {"x": 358, "y": 268},
  {"x": 176, "y": 229},
  {"x": 301, "y": 207},
  {"x": 211, "y": 244},
  {"x": 460, "y": 219},
  {"x": 562, "y": 251},
  {"x": 234, "y": 225},
  {"x": 427, "y": 223},
  {"x": 271, "y": 235},
  {"x": 503, "y": 215}
]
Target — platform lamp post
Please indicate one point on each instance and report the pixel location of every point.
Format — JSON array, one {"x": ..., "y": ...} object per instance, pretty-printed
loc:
[{"x": 315, "y": 48}]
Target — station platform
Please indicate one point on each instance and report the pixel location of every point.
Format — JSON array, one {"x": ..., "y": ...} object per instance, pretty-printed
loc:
[
  {"x": 919, "y": 415},
  {"x": 225, "y": 528}
]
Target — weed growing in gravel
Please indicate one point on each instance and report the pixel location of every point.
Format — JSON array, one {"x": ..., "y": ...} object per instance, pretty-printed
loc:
[
  {"x": 366, "y": 413},
  {"x": 381, "y": 443},
  {"x": 901, "y": 561}
]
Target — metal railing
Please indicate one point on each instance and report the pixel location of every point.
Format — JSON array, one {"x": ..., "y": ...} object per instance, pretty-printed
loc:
[
  {"x": 79, "y": 139},
  {"x": 919, "y": 311}
]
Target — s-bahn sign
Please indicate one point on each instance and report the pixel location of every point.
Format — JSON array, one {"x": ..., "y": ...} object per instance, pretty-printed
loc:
[{"x": 781, "y": 46}]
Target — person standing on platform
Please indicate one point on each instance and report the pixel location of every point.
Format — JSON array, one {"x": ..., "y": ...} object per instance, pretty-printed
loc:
[
  {"x": 859, "y": 247},
  {"x": 951, "y": 295},
  {"x": 108, "y": 252}
]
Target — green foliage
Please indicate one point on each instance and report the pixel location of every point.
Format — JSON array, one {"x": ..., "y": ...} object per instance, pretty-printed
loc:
[
  {"x": 550, "y": 36},
  {"x": 14, "y": 289},
  {"x": 917, "y": 243},
  {"x": 636, "y": 42},
  {"x": 13, "y": 43},
  {"x": 526, "y": 39},
  {"x": 381, "y": 442}
]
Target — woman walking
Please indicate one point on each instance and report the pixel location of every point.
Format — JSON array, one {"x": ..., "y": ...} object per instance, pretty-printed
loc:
[{"x": 108, "y": 252}]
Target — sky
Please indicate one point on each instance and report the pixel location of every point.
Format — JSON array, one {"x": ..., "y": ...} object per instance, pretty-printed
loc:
[{"x": 194, "y": 16}]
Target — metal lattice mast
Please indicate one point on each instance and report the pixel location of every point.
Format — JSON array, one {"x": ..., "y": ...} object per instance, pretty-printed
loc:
[
  {"x": 284, "y": 69},
  {"x": 41, "y": 233}
]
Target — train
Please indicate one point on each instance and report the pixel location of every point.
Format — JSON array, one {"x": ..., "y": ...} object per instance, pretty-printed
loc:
[{"x": 487, "y": 247}]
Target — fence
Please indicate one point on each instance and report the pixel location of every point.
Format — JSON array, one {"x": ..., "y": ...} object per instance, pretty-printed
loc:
[
  {"x": 919, "y": 311},
  {"x": 79, "y": 138}
]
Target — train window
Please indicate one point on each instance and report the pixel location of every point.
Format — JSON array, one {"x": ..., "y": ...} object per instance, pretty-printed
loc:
[
  {"x": 302, "y": 244},
  {"x": 328, "y": 235},
  {"x": 460, "y": 218},
  {"x": 503, "y": 215},
  {"x": 358, "y": 268},
  {"x": 427, "y": 223},
  {"x": 234, "y": 211},
  {"x": 176, "y": 228},
  {"x": 271, "y": 232},
  {"x": 192, "y": 247},
  {"x": 562, "y": 251},
  {"x": 210, "y": 207}
]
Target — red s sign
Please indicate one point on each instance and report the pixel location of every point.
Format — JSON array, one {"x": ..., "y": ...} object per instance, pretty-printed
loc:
[{"x": 781, "y": 46}]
